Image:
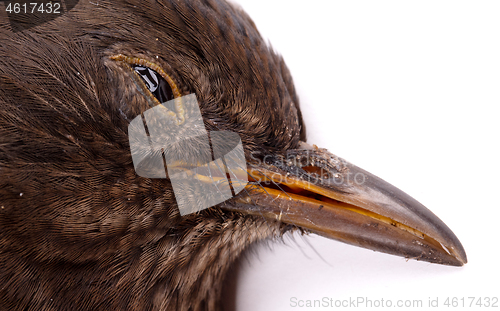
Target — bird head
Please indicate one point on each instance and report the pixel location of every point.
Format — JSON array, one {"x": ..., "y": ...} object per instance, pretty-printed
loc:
[{"x": 81, "y": 229}]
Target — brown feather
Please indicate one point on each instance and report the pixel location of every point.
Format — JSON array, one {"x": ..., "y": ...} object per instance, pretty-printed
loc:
[{"x": 79, "y": 229}]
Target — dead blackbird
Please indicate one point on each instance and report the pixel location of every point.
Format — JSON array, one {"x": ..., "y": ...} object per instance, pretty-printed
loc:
[{"x": 80, "y": 230}]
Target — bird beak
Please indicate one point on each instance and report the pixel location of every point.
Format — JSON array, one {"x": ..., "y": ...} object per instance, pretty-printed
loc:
[{"x": 317, "y": 191}]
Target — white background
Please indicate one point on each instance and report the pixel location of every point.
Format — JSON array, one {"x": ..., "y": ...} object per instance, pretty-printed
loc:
[{"x": 410, "y": 92}]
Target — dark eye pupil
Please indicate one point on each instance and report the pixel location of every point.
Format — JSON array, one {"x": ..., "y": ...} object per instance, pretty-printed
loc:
[{"x": 155, "y": 83}]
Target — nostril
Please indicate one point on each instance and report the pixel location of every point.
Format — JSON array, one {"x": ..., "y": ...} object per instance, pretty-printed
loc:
[{"x": 318, "y": 172}]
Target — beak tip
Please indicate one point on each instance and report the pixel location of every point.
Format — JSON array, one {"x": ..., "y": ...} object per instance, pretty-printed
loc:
[
  {"x": 461, "y": 255},
  {"x": 454, "y": 256},
  {"x": 453, "y": 247}
]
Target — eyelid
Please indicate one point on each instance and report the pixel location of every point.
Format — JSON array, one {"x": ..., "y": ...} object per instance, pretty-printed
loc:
[
  {"x": 145, "y": 63},
  {"x": 135, "y": 61}
]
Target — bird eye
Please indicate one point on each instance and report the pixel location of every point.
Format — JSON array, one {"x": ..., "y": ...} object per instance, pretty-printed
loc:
[{"x": 155, "y": 83}]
